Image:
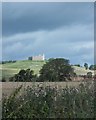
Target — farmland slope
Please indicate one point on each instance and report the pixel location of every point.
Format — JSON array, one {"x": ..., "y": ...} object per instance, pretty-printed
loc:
[{"x": 9, "y": 69}]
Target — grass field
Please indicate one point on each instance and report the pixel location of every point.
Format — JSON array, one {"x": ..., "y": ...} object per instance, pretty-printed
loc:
[{"x": 9, "y": 69}]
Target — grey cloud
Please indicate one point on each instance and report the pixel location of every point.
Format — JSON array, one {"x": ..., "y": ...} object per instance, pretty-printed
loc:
[
  {"x": 55, "y": 29},
  {"x": 26, "y": 17},
  {"x": 0, "y": 31},
  {"x": 62, "y": 42}
]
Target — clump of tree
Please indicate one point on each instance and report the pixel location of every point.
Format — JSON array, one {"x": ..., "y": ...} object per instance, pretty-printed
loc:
[
  {"x": 24, "y": 76},
  {"x": 57, "y": 69},
  {"x": 10, "y": 61},
  {"x": 86, "y": 66},
  {"x": 3, "y": 79},
  {"x": 29, "y": 58},
  {"x": 89, "y": 75},
  {"x": 50, "y": 59},
  {"x": 78, "y": 65},
  {"x": 92, "y": 67}
]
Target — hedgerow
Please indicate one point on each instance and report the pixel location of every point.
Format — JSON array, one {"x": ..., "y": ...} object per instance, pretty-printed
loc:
[{"x": 51, "y": 102}]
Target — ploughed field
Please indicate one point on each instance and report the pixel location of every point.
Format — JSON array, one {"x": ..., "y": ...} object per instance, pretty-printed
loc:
[{"x": 9, "y": 69}]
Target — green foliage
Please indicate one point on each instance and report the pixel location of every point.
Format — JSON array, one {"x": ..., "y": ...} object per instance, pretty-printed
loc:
[
  {"x": 92, "y": 67},
  {"x": 24, "y": 76},
  {"x": 50, "y": 59},
  {"x": 95, "y": 67},
  {"x": 74, "y": 74},
  {"x": 78, "y": 65},
  {"x": 3, "y": 79},
  {"x": 10, "y": 61},
  {"x": 56, "y": 70},
  {"x": 86, "y": 66},
  {"x": 51, "y": 102},
  {"x": 10, "y": 69},
  {"x": 9, "y": 104},
  {"x": 29, "y": 58},
  {"x": 89, "y": 74}
]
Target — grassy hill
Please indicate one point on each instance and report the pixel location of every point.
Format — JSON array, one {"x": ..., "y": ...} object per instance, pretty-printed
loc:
[
  {"x": 9, "y": 69},
  {"x": 81, "y": 70}
]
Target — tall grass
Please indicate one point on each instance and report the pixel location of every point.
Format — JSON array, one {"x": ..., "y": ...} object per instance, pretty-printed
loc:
[{"x": 51, "y": 102}]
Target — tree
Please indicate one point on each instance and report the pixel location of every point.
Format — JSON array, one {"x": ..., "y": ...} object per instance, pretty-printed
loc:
[
  {"x": 91, "y": 67},
  {"x": 78, "y": 65},
  {"x": 50, "y": 59},
  {"x": 95, "y": 67},
  {"x": 56, "y": 70},
  {"x": 24, "y": 76},
  {"x": 3, "y": 79},
  {"x": 89, "y": 74},
  {"x": 29, "y": 58},
  {"x": 86, "y": 66}
]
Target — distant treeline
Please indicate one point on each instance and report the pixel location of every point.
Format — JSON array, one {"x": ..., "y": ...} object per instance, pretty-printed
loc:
[
  {"x": 9, "y": 61},
  {"x": 91, "y": 67}
]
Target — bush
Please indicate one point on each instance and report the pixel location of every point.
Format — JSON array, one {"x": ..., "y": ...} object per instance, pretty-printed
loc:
[
  {"x": 24, "y": 76},
  {"x": 51, "y": 102},
  {"x": 92, "y": 67},
  {"x": 10, "y": 61},
  {"x": 78, "y": 65},
  {"x": 89, "y": 74},
  {"x": 3, "y": 79}
]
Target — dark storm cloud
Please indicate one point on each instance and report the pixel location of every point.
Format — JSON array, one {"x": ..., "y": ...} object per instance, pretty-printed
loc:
[
  {"x": 25, "y": 17},
  {"x": 55, "y": 29},
  {"x": 0, "y": 31}
]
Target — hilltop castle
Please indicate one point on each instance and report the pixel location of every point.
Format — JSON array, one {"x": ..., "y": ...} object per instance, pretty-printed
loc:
[{"x": 39, "y": 57}]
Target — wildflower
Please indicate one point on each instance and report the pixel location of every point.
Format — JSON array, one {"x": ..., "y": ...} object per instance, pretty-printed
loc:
[
  {"x": 55, "y": 98},
  {"x": 37, "y": 95},
  {"x": 23, "y": 99},
  {"x": 45, "y": 93},
  {"x": 76, "y": 89},
  {"x": 21, "y": 105}
]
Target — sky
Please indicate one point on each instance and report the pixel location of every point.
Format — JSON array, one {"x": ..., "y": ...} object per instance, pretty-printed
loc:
[
  {"x": 54, "y": 29},
  {"x": 0, "y": 31}
]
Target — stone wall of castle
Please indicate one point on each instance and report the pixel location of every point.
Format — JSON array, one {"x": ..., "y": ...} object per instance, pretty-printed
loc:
[{"x": 39, "y": 57}]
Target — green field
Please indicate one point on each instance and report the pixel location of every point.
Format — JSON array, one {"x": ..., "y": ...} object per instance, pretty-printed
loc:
[{"x": 9, "y": 69}]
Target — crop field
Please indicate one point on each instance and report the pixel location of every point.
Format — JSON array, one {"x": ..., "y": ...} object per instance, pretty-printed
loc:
[{"x": 9, "y": 69}]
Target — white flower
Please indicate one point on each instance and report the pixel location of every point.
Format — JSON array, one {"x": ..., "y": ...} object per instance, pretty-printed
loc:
[
  {"x": 55, "y": 98},
  {"x": 45, "y": 93}
]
